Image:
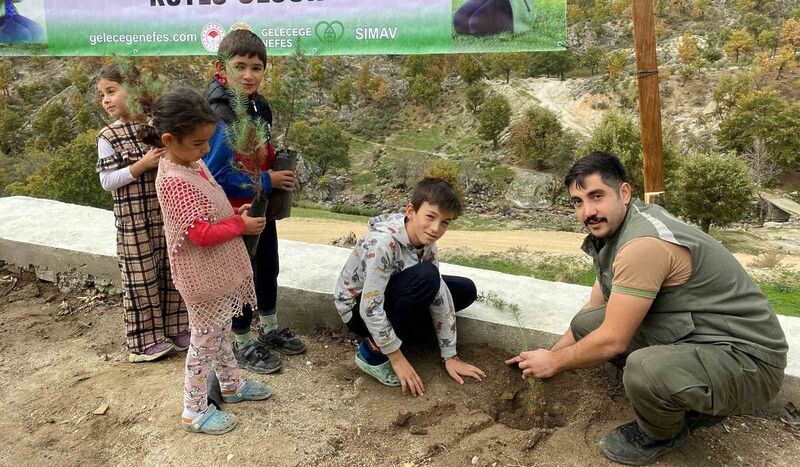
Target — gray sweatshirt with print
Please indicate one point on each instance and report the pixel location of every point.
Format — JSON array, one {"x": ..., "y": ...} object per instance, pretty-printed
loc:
[{"x": 384, "y": 251}]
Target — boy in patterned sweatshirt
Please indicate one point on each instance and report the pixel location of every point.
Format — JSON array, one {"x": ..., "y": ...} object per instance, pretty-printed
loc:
[{"x": 390, "y": 291}]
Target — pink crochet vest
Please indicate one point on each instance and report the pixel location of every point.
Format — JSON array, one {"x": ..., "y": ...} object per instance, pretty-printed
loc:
[{"x": 216, "y": 281}]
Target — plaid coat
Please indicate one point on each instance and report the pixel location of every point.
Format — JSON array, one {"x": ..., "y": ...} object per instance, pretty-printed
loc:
[{"x": 153, "y": 307}]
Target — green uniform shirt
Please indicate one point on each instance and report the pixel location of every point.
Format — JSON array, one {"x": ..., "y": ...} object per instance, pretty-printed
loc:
[{"x": 719, "y": 304}]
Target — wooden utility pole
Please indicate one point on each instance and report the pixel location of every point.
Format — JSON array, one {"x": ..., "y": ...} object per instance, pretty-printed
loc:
[{"x": 644, "y": 36}]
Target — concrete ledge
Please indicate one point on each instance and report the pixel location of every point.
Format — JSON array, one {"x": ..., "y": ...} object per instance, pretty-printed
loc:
[{"x": 57, "y": 239}]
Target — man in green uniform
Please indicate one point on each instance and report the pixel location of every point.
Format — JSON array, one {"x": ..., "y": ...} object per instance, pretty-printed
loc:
[{"x": 698, "y": 339}]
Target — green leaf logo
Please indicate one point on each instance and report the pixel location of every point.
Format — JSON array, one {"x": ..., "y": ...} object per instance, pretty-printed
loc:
[{"x": 329, "y": 33}]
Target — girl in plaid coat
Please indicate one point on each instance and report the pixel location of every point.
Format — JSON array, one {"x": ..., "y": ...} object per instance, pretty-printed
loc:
[{"x": 155, "y": 317}]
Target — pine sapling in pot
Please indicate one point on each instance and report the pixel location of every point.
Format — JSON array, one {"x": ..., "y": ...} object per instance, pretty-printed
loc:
[{"x": 249, "y": 139}]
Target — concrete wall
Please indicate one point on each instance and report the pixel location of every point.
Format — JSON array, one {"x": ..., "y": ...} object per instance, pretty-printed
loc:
[{"x": 60, "y": 240}]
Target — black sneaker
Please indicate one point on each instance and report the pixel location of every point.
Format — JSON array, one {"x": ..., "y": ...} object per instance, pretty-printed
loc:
[
  {"x": 282, "y": 340},
  {"x": 257, "y": 358},
  {"x": 695, "y": 420},
  {"x": 629, "y": 445}
]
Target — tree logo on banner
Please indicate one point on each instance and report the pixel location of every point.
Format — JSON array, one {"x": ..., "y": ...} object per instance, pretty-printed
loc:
[
  {"x": 329, "y": 33},
  {"x": 211, "y": 36}
]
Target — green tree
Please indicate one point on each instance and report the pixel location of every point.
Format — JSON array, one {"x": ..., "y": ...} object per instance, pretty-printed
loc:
[
  {"x": 469, "y": 69},
  {"x": 68, "y": 176},
  {"x": 711, "y": 188},
  {"x": 551, "y": 63},
  {"x": 783, "y": 60},
  {"x": 740, "y": 43},
  {"x": 755, "y": 23},
  {"x": 730, "y": 90},
  {"x": 536, "y": 137},
  {"x": 86, "y": 119},
  {"x": 475, "y": 95},
  {"x": 423, "y": 90},
  {"x": 78, "y": 76},
  {"x": 11, "y": 120},
  {"x": 291, "y": 99},
  {"x": 619, "y": 134},
  {"x": 712, "y": 54},
  {"x": 445, "y": 169},
  {"x": 621, "y": 8},
  {"x": 494, "y": 117},
  {"x": 764, "y": 115},
  {"x": 616, "y": 63},
  {"x": 316, "y": 71},
  {"x": 326, "y": 145},
  {"x": 51, "y": 127},
  {"x": 343, "y": 93},
  {"x": 602, "y": 11},
  {"x": 415, "y": 65},
  {"x": 768, "y": 40},
  {"x": 566, "y": 152},
  {"x": 755, "y": 5},
  {"x": 593, "y": 58},
  {"x": 503, "y": 64}
]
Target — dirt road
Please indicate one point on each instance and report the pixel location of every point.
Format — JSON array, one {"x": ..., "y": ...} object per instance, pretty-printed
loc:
[
  {"x": 59, "y": 364},
  {"x": 325, "y": 231}
]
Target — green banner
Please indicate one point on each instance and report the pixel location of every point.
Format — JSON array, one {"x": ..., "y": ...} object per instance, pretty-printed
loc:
[{"x": 320, "y": 27}]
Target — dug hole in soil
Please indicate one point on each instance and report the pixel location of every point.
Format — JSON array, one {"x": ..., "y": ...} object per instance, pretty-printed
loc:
[{"x": 70, "y": 398}]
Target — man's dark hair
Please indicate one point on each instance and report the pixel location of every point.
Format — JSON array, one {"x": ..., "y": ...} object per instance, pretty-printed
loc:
[
  {"x": 438, "y": 192},
  {"x": 611, "y": 170},
  {"x": 243, "y": 43}
]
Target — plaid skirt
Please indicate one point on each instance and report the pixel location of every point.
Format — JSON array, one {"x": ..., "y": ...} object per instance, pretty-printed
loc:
[{"x": 153, "y": 307}]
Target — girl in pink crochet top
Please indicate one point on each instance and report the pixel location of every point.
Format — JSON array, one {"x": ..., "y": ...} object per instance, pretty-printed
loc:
[{"x": 210, "y": 265}]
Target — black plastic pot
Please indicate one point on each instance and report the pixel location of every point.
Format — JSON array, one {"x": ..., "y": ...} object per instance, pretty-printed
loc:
[
  {"x": 257, "y": 209},
  {"x": 280, "y": 201}
]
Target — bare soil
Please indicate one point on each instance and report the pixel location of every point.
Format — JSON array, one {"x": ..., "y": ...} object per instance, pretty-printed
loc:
[{"x": 62, "y": 357}]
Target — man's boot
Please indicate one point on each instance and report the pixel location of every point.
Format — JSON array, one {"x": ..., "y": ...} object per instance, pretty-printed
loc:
[{"x": 629, "y": 445}]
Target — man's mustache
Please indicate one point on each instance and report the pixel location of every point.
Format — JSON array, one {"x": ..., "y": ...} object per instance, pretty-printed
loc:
[{"x": 593, "y": 219}]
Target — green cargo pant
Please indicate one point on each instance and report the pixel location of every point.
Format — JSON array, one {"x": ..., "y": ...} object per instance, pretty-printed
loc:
[{"x": 663, "y": 382}]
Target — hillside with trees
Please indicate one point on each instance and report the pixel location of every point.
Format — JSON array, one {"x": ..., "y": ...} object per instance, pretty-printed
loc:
[{"x": 506, "y": 125}]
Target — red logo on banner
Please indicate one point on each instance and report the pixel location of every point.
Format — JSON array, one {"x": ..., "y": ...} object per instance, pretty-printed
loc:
[{"x": 211, "y": 36}]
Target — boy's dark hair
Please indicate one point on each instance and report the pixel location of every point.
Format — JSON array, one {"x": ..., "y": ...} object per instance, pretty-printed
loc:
[
  {"x": 438, "y": 192},
  {"x": 114, "y": 72},
  {"x": 243, "y": 43},
  {"x": 178, "y": 112},
  {"x": 611, "y": 170}
]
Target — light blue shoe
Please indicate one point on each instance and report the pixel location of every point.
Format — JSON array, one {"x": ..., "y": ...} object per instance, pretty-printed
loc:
[
  {"x": 251, "y": 391},
  {"x": 213, "y": 422},
  {"x": 383, "y": 372}
]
